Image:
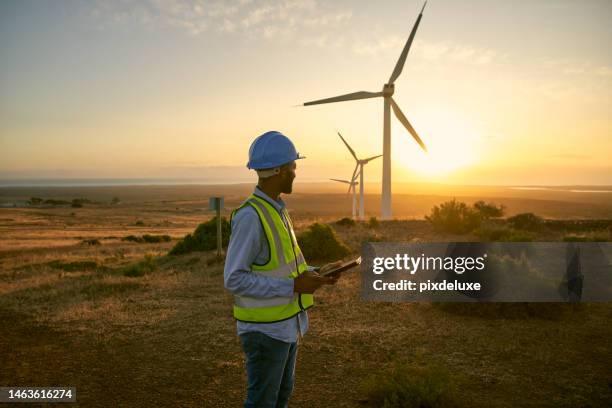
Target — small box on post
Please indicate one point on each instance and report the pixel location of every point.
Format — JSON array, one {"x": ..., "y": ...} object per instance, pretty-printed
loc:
[{"x": 216, "y": 204}]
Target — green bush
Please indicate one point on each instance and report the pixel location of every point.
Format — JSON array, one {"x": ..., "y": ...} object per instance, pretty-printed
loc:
[
  {"x": 591, "y": 236},
  {"x": 147, "y": 238},
  {"x": 489, "y": 210},
  {"x": 410, "y": 387},
  {"x": 139, "y": 223},
  {"x": 502, "y": 234},
  {"x": 526, "y": 221},
  {"x": 346, "y": 222},
  {"x": 141, "y": 268},
  {"x": 373, "y": 223},
  {"x": 51, "y": 201},
  {"x": 454, "y": 217},
  {"x": 35, "y": 201},
  {"x": 204, "y": 238},
  {"x": 150, "y": 239},
  {"x": 321, "y": 243}
]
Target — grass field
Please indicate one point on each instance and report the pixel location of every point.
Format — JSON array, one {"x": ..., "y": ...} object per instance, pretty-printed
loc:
[{"x": 71, "y": 317}]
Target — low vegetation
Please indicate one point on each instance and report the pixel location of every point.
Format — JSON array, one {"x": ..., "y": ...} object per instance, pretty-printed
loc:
[
  {"x": 526, "y": 221},
  {"x": 147, "y": 238},
  {"x": 373, "y": 223},
  {"x": 204, "y": 238},
  {"x": 74, "y": 266},
  {"x": 483, "y": 219},
  {"x": 146, "y": 266},
  {"x": 321, "y": 243},
  {"x": 410, "y": 387},
  {"x": 74, "y": 203},
  {"x": 455, "y": 217},
  {"x": 346, "y": 222}
]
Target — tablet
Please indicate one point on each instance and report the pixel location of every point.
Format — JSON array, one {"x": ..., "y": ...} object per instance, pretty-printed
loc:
[{"x": 343, "y": 267}]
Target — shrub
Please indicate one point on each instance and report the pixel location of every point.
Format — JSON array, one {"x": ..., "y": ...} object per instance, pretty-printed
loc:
[
  {"x": 141, "y": 268},
  {"x": 155, "y": 238},
  {"x": 76, "y": 203},
  {"x": 526, "y": 221},
  {"x": 35, "y": 201},
  {"x": 204, "y": 238},
  {"x": 502, "y": 234},
  {"x": 92, "y": 242},
  {"x": 115, "y": 200},
  {"x": 373, "y": 223},
  {"x": 51, "y": 201},
  {"x": 454, "y": 217},
  {"x": 408, "y": 387},
  {"x": 321, "y": 243},
  {"x": 139, "y": 223},
  {"x": 372, "y": 237},
  {"x": 147, "y": 238},
  {"x": 346, "y": 222},
  {"x": 593, "y": 237},
  {"x": 489, "y": 210}
]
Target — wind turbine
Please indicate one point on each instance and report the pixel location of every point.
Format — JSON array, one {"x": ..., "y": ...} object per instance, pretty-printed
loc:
[
  {"x": 386, "y": 93},
  {"x": 359, "y": 165},
  {"x": 351, "y": 184}
]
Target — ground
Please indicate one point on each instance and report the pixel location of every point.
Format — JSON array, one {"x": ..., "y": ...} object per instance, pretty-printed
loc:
[{"x": 168, "y": 338}]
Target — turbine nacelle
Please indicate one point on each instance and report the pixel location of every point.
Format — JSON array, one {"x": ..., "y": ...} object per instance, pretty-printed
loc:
[{"x": 388, "y": 90}]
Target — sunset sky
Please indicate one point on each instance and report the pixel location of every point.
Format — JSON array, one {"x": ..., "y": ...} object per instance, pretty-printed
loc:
[{"x": 502, "y": 92}]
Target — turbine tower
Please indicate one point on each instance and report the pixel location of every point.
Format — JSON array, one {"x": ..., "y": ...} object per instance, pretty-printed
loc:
[
  {"x": 351, "y": 184},
  {"x": 359, "y": 165},
  {"x": 386, "y": 93}
]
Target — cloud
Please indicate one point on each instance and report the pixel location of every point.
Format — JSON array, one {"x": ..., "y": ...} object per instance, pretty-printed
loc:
[
  {"x": 264, "y": 19},
  {"x": 308, "y": 23},
  {"x": 578, "y": 68}
]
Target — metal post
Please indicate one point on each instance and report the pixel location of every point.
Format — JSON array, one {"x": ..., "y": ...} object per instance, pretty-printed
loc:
[
  {"x": 219, "y": 237},
  {"x": 216, "y": 204}
]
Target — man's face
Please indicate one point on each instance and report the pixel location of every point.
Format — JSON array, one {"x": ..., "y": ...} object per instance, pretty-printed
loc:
[{"x": 287, "y": 174}]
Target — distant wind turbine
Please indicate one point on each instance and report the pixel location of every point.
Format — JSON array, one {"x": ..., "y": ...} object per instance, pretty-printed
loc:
[
  {"x": 386, "y": 93},
  {"x": 351, "y": 184},
  {"x": 359, "y": 165}
]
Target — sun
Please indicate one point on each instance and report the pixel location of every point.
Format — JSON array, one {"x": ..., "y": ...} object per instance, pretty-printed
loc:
[{"x": 452, "y": 144}]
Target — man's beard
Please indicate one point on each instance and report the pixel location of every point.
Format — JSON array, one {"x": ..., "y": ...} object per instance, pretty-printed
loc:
[{"x": 288, "y": 186}]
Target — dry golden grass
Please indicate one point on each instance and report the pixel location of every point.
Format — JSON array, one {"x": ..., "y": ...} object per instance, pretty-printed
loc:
[{"x": 168, "y": 338}]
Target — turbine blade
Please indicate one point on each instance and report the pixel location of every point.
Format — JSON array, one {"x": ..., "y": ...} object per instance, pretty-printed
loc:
[
  {"x": 402, "y": 59},
  {"x": 407, "y": 125},
  {"x": 341, "y": 181},
  {"x": 354, "y": 181},
  {"x": 347, "y": 97},
  {"x": 372, "y": 158},
  {"x": 348, "y": 147},
  {"x": 354, "y": 173}
]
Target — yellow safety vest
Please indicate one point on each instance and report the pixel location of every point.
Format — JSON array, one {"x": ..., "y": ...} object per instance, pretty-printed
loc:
[{"x": 286, "y": 262}]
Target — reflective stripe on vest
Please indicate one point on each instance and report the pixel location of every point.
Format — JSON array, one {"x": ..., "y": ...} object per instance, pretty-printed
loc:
[{"x": 286, "y": 261}]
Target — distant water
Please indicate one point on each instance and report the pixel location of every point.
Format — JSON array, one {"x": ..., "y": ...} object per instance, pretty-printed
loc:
[
  {"x": 107, "y": 182},
  {"x": 569, "y": 190}
]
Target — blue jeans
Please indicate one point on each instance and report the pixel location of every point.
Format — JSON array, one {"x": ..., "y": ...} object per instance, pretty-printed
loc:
[{"x": 270, "y": 366}]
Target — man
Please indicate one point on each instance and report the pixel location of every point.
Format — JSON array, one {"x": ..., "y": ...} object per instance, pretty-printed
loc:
[{"x": 268, "y": 276}]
